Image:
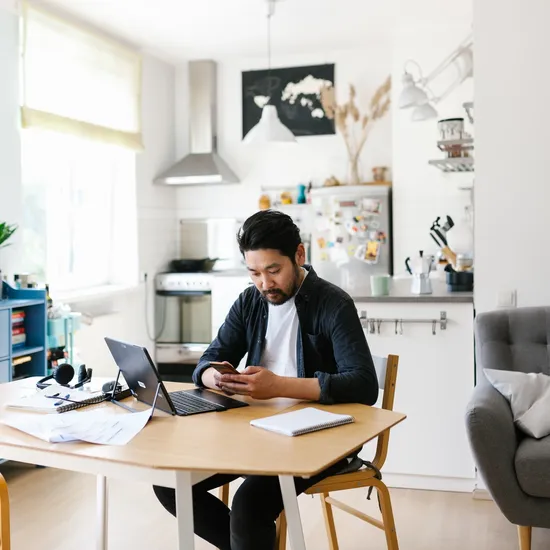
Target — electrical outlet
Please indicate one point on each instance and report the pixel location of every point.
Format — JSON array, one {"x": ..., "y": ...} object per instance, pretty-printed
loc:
[{"x": 507, "y": 298}]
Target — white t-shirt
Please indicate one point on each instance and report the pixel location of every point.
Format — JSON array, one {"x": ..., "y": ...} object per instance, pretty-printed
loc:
[{"x": 279, "y": 355}]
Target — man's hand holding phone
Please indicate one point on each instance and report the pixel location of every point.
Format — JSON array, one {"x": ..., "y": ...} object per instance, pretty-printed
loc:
[
  {"x": 212, "y": 377},
  {"x": 255, "y": 382}
]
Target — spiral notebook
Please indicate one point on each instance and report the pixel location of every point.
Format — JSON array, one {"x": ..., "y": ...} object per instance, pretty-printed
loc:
[
  {"x": 302, "y": 421},
  {"x": 38, "y": 402}
]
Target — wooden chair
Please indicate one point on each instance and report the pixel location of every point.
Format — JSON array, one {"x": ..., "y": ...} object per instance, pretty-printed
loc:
[
  {"x": 360, "y": 476},
  {"x": 5, "y": 543}
]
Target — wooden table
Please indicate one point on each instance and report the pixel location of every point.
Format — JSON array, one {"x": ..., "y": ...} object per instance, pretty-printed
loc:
[{"x": 181, "y": 451}]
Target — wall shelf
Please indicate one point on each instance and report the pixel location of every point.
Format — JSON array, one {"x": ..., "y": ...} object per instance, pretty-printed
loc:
[
  {"x": 458, "y": 164},
  {"x": 450, "y": 144}
]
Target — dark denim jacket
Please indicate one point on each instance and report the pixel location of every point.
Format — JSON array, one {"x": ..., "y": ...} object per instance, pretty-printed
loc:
[{"x": 331, "y": 343}]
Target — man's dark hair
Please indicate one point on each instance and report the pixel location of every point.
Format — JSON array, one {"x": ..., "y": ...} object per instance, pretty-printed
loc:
[{"x": 270, "y": 229}]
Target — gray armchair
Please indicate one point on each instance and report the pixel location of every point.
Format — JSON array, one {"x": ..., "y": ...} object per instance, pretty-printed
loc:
[{"x": 515, "y": 468}]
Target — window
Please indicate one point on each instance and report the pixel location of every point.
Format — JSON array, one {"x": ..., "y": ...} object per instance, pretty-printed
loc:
[
  {"x": 80, "y": 212},
  {"x": 80, "y": 113}
]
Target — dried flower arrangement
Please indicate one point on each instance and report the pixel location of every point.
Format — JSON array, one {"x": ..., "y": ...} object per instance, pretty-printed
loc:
[{"x": 347, "y": 118}]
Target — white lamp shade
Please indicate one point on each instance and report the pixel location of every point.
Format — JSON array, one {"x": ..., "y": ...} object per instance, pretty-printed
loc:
[
  {"x": 424, "y": 112},
  {"x": 269, "y": 129},
  {"x": 411, "y": 95}
]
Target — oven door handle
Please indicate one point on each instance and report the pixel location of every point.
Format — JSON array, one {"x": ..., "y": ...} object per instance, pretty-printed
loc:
[{"x": 183, "y": 292}]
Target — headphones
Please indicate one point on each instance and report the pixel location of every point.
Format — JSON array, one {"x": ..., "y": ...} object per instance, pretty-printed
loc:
[{"x": 63, "y": 374}]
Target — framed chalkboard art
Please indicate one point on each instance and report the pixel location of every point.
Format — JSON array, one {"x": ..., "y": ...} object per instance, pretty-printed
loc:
[{"x": 295, "y": 92}]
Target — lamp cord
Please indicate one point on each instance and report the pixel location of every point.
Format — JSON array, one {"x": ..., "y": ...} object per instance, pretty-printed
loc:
[
  {"x": 270, "y": 12},
  {"x": 269, "y": 15}
]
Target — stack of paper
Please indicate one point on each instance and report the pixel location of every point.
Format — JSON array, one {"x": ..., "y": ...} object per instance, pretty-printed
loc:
[{"x": 103, "y": 426}]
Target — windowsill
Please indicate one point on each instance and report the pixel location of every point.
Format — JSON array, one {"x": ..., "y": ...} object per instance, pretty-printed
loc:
[{"x": 93, "y": 294}]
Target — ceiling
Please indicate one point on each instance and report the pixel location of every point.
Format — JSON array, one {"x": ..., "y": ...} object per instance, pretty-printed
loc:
[{"x": 177, "y": 30}]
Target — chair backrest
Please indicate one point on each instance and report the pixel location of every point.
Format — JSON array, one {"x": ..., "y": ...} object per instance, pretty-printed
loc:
[
  {"x": 514, "y": 339},
  {"x": 386, "y": 371}
]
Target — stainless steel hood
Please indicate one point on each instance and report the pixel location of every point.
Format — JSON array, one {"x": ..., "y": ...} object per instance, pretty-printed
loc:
[{"x": 202, "y": 165}]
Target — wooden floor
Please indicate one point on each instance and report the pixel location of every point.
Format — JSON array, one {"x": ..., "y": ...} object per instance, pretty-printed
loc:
[{"x": 55, "y": 510}]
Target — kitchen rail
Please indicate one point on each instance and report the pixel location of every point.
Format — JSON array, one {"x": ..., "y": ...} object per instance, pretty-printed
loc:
[{"x": 374, "y": 324}]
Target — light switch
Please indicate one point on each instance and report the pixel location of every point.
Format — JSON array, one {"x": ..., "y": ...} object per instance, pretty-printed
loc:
[{"x": 507, "y": 298}]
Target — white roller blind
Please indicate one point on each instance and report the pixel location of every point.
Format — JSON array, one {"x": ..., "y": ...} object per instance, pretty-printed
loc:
[{"x": 78, "y": 82}]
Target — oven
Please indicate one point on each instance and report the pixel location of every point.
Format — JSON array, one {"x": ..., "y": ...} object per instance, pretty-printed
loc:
[{"x": 183, "y": 322}]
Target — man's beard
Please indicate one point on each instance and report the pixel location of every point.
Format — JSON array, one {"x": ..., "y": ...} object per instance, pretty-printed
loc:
[{"x": 278, "y": 297}]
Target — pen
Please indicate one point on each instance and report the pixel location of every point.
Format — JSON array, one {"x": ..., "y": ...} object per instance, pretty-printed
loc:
[{"x": 62, "y": 399}]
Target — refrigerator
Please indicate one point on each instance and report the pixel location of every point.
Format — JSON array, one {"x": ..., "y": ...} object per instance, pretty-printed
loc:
[{"x": 351, "y": 232}]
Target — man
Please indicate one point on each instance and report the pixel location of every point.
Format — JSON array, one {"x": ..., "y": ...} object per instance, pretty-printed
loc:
[{"x": 304, "y": 340}]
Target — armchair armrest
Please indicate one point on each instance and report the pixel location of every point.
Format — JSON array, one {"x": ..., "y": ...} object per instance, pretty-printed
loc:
[{"x": 494, "y": 441}]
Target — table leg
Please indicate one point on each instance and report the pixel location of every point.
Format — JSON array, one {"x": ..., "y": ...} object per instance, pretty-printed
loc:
[
  {"x": 184, "y": 510},
  {"x": 292, "y": 512},
  {"x": 102, "y": 510}
]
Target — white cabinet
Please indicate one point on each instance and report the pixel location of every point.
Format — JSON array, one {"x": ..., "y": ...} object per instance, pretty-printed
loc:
[
  {"x": 225, "y": 290},
  {"x": 434, "y": 383}
]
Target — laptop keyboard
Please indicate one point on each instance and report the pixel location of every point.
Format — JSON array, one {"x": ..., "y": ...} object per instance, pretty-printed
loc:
[{"x": 186, "y": 403}]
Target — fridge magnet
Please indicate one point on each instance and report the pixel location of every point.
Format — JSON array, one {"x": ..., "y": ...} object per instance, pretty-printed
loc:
[
  {"x": 321, "y": 242},
  {"x": 372, "y": 251},
  {"x": 368, "y": 252},
  {"x": 372, "y": 222},
  {"x": 381, "y": 236},
  {"x": 351, "y": 249},
  {"x": 324, "y": 256},
  {"x": 372, "y": 206},
  {"x": 339, "y": 240}
]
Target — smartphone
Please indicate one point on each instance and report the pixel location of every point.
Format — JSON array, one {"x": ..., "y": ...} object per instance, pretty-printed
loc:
[{"x": 224, "y": 368}]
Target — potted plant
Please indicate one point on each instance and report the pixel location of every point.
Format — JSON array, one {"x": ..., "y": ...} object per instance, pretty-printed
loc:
[
  {"x": 353, "y": 125},
  {"x": 6, "y": 231}
]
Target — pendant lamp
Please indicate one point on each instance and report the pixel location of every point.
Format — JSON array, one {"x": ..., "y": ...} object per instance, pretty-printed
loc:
[{"x": 269, "y": 129}]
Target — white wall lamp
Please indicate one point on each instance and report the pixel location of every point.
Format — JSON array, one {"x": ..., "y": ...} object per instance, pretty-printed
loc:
[
  {"x": 416, "y": 93},
  {"x": 269, "y": 129}
]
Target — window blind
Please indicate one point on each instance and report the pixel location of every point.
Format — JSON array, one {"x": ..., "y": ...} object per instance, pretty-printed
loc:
[{"x": 79, "y": 82}]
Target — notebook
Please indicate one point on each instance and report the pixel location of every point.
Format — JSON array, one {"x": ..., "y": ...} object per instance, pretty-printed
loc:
[
  {"x": 302, "y": 421},
  {"x": 38, "y": 402}
]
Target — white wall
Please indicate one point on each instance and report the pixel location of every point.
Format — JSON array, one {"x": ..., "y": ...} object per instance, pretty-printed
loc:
[
  {"x": 156, "y": 205},
  {"x": 427, "y": 32},
  {"x": 313, "y": 158},
  {"x": 512, "y": 191},
  {"x": 10, "y": 148}
]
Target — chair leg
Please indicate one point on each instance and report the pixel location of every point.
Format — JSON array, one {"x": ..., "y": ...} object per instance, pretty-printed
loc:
[
  {"x": 5, "y": 542},
  {"x": 280, "y": 540},
  {"x": 387, "y": 514},
  {"x": 223, "y": 494},
  {"x": 524, "y": 534},
  {"x": 329, "y": 522}
]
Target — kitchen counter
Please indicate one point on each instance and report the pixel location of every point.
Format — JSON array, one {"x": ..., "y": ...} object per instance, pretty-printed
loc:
[{"x": 400, "y": 292}]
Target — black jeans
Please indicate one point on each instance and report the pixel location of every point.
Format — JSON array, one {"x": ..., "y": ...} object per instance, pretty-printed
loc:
[{"x": 250, "y": 524}]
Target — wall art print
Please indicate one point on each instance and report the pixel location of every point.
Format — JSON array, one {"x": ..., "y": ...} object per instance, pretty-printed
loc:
[{"x": 295, "y": 91}]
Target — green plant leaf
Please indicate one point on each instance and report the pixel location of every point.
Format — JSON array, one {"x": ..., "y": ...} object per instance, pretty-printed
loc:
[{"x": 6, "y": 231}]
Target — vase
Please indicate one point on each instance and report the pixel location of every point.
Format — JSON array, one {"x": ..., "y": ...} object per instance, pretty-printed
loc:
[{"x": 354, "y": 177}]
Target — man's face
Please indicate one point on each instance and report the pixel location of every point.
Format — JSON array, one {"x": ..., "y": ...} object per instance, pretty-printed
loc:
[{"x": 274, "y": 274}]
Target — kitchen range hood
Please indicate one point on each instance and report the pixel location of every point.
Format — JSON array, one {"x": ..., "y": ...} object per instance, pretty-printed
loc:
[{"x": 202, "y": 165}]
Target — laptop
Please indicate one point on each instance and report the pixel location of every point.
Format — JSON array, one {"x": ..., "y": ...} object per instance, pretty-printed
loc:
[{"x": 143, "y": 379}]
